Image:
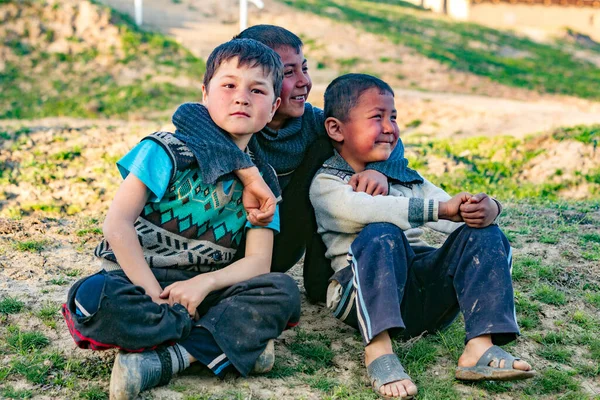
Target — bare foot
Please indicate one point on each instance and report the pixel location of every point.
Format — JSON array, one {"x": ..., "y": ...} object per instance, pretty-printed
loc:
[
  {"x": 479, "y": 345},
  {"x": 379, "y": 346}
]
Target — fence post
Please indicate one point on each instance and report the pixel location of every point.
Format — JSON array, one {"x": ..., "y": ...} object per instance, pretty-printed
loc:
[
  {"x": 244, "y": 11},
  {"x": 138, "y": 12}
]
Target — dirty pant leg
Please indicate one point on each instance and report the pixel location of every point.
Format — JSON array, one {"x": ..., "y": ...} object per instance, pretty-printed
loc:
[
  {"x": 470, "y": 272},
  {"x": 379, "y": 260},
  {"x": 125, "y": 317},
  {"x": 245, "y": 316}
]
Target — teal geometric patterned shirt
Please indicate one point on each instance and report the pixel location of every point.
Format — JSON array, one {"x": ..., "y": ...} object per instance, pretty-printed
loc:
[{"x": 186, "y": 224}]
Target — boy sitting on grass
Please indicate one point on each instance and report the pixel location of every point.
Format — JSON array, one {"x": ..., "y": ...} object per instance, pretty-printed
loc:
[
  {"x": 169, "y": 293},
  {"x": 387, "y": 280}
]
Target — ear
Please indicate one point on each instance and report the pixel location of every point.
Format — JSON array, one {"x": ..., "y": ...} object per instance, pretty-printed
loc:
[
  {"x": 204, "y": 94},
  {"x": 274, "y": 108},
  {"x": 334, "y": 128}
]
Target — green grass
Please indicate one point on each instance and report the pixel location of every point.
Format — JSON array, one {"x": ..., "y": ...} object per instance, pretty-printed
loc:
[
  {"x": 528, "y": 312},
  {"x": 11, "y": 393},
  {"x": 556, "y": 352},
  {"x": 321, "y": 383},
  {"x": 553, "y": 338},
  {"x": 499, "y": 55},
  {"x": 588, "y": 134},
  {"x": 524, "y": 268},
  {"x": 11, "y": 305},
  {"x": 60, "y": 281},
  {"x": 314, "y": 351},
  {"x": 494, "y": 165},
  {"x": 593, "y": 298},
  {"x": 550, "y": 295},
  {"x": 90, "y": 368},
  {"x": 585, "y": 321},
  {"x": 553, "y": 381},
  {"x": 93, "y": 393},
  {"x": 34, "y": 246},
  {"x": 95, "y": 92},
  {"x": 25, "y": 342},
  {"x": 36, "y": 367},
  {"x": 49, "y": 313},
  {"x": 89, "y": 231},
  {"x": 68, "y": 155}
]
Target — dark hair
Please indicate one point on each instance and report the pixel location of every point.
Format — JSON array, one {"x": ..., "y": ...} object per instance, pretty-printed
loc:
[
  {"x": 344, "y": 92},
  {"x": 249, "y": 53},
  {"x": 272, "y": 36}
]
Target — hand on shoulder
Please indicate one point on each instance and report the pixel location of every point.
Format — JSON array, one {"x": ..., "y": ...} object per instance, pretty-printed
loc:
[{"x": 370, "y": 182}]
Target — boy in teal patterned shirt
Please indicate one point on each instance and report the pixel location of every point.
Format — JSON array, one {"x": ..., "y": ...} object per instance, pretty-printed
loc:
[{"x": 169, "y": 293}]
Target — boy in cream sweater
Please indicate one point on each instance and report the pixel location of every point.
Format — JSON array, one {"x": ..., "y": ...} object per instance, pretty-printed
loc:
[{"x": 388, "y": 281}]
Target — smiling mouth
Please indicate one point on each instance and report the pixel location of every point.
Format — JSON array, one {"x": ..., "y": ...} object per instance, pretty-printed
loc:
[{"x": 299, "y": 98}]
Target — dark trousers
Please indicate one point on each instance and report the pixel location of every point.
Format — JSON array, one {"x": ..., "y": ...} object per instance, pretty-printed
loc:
[
  {"x": 391, "y": 286},
  {"x": 241, "y": 318}
]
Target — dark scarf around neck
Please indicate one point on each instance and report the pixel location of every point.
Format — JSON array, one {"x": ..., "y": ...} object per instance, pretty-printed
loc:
[{"x": 216, "y": 153}]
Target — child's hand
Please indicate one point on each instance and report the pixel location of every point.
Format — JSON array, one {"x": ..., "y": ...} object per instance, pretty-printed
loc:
[
  {"x": 450, "y": 209},
  {"x": 189, "y": 293},
  {"x": 480, "y": 211},
  {"x": 370, "y": 182},
  {"x": 258, "y": 199}
]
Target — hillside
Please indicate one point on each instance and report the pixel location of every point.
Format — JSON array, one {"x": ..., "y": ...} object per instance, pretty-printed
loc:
[
  {"x": 564, "y": 66},
  {"x": 76, "y": 58},
  {"x": 409, "y": 47},
  {"x": 80, "y": 84}
]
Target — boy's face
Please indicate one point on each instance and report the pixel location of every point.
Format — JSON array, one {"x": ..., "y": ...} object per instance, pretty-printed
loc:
[
  {"x": 239, "y": 99},
  {"x": 370, "y": 133},
  {"x": 296, "y": 83}
]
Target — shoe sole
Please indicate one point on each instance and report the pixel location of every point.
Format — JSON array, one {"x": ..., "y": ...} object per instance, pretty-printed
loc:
[{"x": 492, "y": 374}]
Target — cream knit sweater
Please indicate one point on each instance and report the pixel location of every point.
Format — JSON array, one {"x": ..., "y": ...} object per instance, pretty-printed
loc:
[{"x": 342, "y": 213}]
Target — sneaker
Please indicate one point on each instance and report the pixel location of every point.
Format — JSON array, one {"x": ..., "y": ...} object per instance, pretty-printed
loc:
[
  {"x": 133, "y": 373},
  {"x": 264, "y": 363}
]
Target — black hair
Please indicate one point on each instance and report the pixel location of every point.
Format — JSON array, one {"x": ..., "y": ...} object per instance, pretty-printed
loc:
[
  {"x": 249, "y": 53},
  {"x": 272, "y": 36},
  {"x": 344, "y": 92}
]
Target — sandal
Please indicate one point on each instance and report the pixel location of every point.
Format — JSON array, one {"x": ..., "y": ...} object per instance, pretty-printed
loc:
[
  {"x": 386, "y": 369},
  {"x": 483, "y": 371}
]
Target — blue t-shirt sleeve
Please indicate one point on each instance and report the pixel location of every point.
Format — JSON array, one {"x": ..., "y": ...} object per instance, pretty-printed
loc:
[
  {"x": 149, "y": 162},
  {"x": 274, "y": 225}
]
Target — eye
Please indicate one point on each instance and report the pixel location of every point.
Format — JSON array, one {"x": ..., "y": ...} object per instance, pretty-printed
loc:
[
  {"x": 377, "y": 116},
  {"x": 288, "y": 73},
  {"x": 258, "y": 91},
  {"x": 393, "y": 117},
  {"x": 305, "y": 68},
  {"x": 229, "y": 85}
]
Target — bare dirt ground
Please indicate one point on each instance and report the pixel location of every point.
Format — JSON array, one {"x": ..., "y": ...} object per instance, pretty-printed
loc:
[{"x": 448, "y": 104}]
